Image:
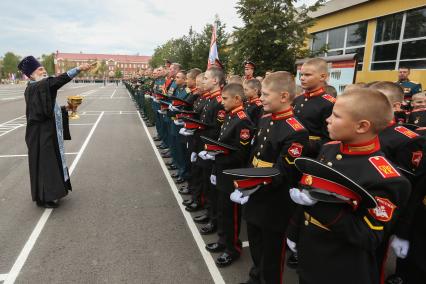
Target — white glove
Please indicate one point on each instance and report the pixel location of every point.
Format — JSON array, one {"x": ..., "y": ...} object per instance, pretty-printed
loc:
[
  {"x": 155, "y": 100},
  {"x": 161, "y": 111},
  {"x": 400, "y": 247},
  {"x": 186, "y": 132},
  {"x": 178, "y": 122},
  {"x": 291, "y": 245},
  {"x": 213, "y": 179},
  {"x": 172, "y": 108},
  {"x": 210, "y": 156},
  {"x": 202, "y": 155},
  {"x": 193, "y": 157},
  {"x": 237, "y": 197},
  {"x": 302, "y": 197},
  {"x": 182, "y": 130}
]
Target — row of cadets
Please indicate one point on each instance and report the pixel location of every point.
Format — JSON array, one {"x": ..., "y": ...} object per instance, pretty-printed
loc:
[{"x": 253, "y": 105}]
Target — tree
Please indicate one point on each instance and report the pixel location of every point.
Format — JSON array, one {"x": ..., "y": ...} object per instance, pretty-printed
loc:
[
  {"x": 273, "y": 36},
  {"x": 48, "y": 61},
  {"x": 10, "y": 63},
  {"x": 118, "y": 74},
  {"x": 175, "y": 50}
]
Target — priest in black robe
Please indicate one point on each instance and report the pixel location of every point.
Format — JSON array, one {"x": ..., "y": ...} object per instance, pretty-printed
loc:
[{"x": 47, "y": 128}]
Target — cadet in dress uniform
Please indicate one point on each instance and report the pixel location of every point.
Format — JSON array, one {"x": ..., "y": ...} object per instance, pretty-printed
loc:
[
  {"x": 248, "y": 70},
  {"x": 236, "y": 133},
  {"x": 417, "y": 116},
  {"x": 315, "y": 105},
  {"x": 337, "y": 242},
  {"x": 280, "y": 138},
  {"x": 253, "y": 106}
]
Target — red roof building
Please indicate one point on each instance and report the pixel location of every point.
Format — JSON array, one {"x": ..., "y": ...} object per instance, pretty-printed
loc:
[{"x": 127, "y": 64}]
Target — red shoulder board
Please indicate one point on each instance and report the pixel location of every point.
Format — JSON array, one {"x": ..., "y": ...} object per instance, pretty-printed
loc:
[
  {"x": 384, "y": 210},
  {"x": 329, "y": 98},
  {"x": 296, "y": 125},
  {"x": 407, "y": 132},
  {"x": 332, "y": 143},
  {"x": 242, "y": 115},
  {"x": 219, "y": 99},
  {"x": 221, "y": 114},
  {"x": 382, "y": 165},
  {"x": 266, "y": 115}
]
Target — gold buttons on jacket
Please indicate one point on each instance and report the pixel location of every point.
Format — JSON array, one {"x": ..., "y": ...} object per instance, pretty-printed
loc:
[
  {"x": 330, "y": 164},
  {"x": 339, "y": 157},
  {"x": 306, "y": 222}
]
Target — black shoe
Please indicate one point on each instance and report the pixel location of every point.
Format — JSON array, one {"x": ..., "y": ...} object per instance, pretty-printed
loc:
[
  {"x": 184, "y": 190},
  {"x": 394, "y": 279},
  {"x": 208, "y": 229},
  {"x": 166, "y": 156},
  {"x": 225, "y": 259},
  {"x": 47, "y": 204},
  {"x": 202, "y": 219},
  {"x": 215, "y": 247},
  {"x": 172, "y": 167},
  {"x": 161, "y": 146},
  {"x": 179, "y": 180},
  {"x": 293, "y": 260},
  {"x": 187, "y": 202},
  {"x": 169, "y": 163},
  {"x": 156, "y": 138},
  {"x": 166, "y": 151},
  {"x": 175, "y": 175},
  {"x": 193, "y": 207},
  {"x": 150, "y": 125}
]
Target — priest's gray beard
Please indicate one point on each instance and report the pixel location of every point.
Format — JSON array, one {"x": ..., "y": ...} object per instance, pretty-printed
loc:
[{"x": 39, "y": 78}]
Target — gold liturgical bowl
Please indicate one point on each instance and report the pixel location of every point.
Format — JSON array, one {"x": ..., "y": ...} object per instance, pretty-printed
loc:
[{"x": 74, "y": 102}]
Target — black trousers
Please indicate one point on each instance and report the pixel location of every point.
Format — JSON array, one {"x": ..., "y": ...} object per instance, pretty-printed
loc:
[
  {"x": 210, "y": 191},
  {"x": 267, "y": 250},
  {"x": 228, "y": 223}
]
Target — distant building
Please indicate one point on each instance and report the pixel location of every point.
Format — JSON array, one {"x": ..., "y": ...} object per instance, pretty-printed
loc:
[
  {"x": 386, "y": 34},
  {"x": 127, "y": 64}
]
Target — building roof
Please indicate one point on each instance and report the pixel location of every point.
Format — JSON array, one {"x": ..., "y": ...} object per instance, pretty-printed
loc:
[
  {"x": 333, "y": 6},
  {"x": 94, "y": 56}
]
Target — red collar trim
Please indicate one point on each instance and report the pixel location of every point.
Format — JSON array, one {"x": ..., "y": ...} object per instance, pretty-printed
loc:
[
  {"x": 248, "y": 77},
  {"x": 283, "y": 114},
  {"x": 193, "y": 90},
  {"x": 419, "y": 109},
  {"x": 205, "y": 95},
  {"x": 252, "y": 101},
  {"x": 392, "y": 122},
  {"x": 315, "y": 93},
  {"x": 237, "y": 109},
  {"x": 365, "y": 148},
  {"x": 215, "y": 94}
]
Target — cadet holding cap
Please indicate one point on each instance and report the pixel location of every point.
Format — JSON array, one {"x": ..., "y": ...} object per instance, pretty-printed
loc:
[
  {"x": 337, "y": 241},
  {"x": 280, "y": 138},
  {"x": 230, "y": 150},
  {"x": 47, "y": 128}
]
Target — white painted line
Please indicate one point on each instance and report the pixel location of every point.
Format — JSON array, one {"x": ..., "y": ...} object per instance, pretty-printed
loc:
[
  {"x": 214, "y": 271},
  {"x": 25, "y": 252},
  {"x": 245, "y": 244},
  {"x": 80, "y": 124},
  {"x": 129, "y": 94},
  {"x": 3, "y": 277},
  {"x": 113, "y": 93},
  {"x": 26, "y": 155}
]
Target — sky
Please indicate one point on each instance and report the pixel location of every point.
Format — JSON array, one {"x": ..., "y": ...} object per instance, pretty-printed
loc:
[{"x": 105, "y": 26}]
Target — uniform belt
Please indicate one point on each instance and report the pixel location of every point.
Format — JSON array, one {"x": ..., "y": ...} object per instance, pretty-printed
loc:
[
  {"x": 257, "y": 163},
  {"x": 312, "y": 220},
  {"x": 314, "y": 138}
]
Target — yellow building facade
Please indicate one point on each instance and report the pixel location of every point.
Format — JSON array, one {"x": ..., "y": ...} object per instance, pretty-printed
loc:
[{"x": 386, "y": 34}]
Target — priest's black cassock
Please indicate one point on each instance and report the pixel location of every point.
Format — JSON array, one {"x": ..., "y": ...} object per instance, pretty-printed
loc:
[{"x": 47, "y": 127}]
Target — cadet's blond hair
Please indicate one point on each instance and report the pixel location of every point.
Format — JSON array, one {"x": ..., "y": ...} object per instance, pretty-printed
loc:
[
  {"x": 369, "y": 104},
  {"x": 254, "y": 84},
  {"x": 235, "y": 89},
  {"x": 193, "y": 73},
  {"x": 418, "y": 96},
  {"x": 319, "y": 64},
  {"x": 281, "y": 81},
  {"x": 392, "y": 91}
]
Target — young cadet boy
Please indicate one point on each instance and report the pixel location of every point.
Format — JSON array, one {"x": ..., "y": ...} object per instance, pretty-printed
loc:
[
  {"x": 253, "y": 106},
  {"x": 337, "y": 242},
  {"x": 212, "y": 115},
  {"x": 417, "y": 115},
  {"x": 315, "y": 105},
  {"x": 280, "y": 138},
  {"x": 236, "y": 131},
  {"x": 406, "y": 149}
]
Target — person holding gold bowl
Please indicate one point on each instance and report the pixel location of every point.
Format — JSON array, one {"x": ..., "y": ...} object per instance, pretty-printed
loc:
[{"x": 47, "y": 128}]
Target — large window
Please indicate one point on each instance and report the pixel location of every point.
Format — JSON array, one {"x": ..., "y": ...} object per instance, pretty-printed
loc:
[
  {"x": 343, "y": 40},
  {"x": 400, "y": 41}
]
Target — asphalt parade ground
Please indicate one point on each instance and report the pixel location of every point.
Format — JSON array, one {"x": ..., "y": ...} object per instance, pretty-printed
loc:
[{"x": 122, "y": 223}]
